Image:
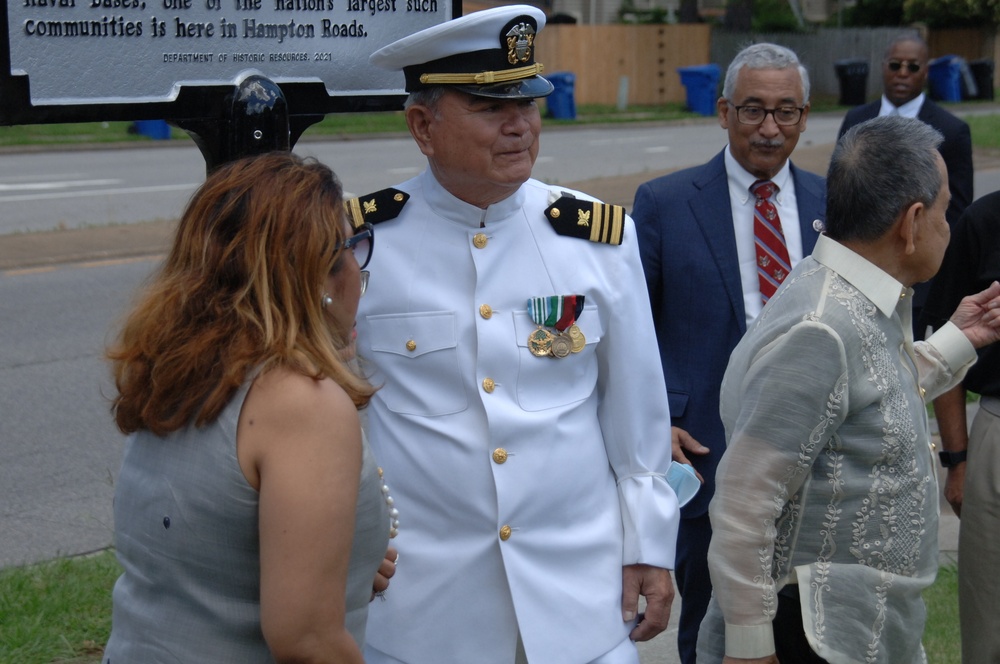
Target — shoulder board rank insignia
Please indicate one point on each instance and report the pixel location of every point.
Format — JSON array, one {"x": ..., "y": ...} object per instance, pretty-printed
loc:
[
  {"x": 587, "y": 220},
  {"x": 375, "y": 208}
]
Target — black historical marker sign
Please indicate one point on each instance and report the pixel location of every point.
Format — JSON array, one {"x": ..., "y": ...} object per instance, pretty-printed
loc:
[{"x": 89, "y": 60}]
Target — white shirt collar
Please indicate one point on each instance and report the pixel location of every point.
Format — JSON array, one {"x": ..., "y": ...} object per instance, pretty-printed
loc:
[
  {"x": 740, "y": 179},
  {"x": 908, "y": 110},
  {"x": 877, "y": 285}
]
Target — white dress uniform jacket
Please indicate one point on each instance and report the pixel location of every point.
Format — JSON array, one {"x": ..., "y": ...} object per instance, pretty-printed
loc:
[{"x": 523, "y": 483}]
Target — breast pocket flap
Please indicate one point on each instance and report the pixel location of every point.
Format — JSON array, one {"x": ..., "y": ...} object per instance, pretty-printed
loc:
[{"x": 413, "y": 335}]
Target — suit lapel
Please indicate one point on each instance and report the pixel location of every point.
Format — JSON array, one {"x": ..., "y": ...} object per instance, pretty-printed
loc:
[
  {"x": 713, "y": 213},
  {"x": 811, "y": 203}
]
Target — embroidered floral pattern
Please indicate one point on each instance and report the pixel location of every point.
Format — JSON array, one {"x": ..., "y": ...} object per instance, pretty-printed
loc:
[{"x": 889, "y": 525}]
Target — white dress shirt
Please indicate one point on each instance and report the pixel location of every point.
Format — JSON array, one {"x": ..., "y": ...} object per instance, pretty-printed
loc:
[
  {"x": 742, "y": 204},
  {"x": 908, "y": 110}
]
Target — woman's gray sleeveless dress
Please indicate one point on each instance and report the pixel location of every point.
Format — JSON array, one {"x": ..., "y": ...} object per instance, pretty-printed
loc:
[{"x": 186, "y": 535}]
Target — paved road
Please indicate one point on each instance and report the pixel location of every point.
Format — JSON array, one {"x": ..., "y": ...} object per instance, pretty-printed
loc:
[{"x": 88, "y": 188}]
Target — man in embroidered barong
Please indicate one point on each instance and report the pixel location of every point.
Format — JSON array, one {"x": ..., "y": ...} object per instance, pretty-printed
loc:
[{"x": 825, "y": 515}]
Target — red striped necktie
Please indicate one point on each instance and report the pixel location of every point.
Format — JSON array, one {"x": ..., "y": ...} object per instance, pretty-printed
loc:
[{"x": 773, "y": 264}]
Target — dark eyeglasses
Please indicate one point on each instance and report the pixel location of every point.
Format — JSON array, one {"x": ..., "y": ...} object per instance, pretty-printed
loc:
[
  {"x": 361, "y": 244},
  {"x": 785, "y": 116},
  {"x": 911, "y": 66}
]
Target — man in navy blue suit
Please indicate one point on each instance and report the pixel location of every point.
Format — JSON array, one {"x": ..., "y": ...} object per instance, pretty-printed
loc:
[
  {"x": 697, "y": 242},
  {"x": 904, "y": 74}
]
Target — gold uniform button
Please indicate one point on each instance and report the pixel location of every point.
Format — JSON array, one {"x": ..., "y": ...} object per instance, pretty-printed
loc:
[
  {"x": 489, "y": 385},
  {"x": 555, "y": 213},
  {"x": 505, "y": 533},
  {"x": 411, "y": 345},
  {"x": 480, "y": 240},
  {"x": 922, "y": 392},
  {"x": 486, "y": 311},
  {"x": 499, "y": 455}
]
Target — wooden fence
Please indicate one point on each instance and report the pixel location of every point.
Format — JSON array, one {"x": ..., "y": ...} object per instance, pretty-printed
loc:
[
  {"x": 647, "y": 56},
  {"x": 601, "y": 55}
]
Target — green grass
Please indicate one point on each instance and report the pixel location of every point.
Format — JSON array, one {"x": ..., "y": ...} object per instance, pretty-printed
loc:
[
  {"x": 61, "y": 612},
  {"x": 941, "y": 634},
  {"x": 393, "y": 121},
  {"x": 985, "y": 130},
  {"x": 336, "y": 124},
  {"x": 58, "y": 611},
  {"x": 68, "y": 134}
]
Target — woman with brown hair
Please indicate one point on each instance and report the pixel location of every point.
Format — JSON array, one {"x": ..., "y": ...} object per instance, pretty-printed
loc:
[{"x": 250, "y": 517}]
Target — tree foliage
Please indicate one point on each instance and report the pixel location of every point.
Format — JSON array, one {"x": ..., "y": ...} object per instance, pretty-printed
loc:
[
  {"x": 953, "y": 13},
  {"x": 773, "y": 16},
  {"x": 629, "y": 13}
]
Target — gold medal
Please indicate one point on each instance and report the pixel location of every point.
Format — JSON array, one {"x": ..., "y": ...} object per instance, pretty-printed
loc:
[
  {"x": 540, "y": 342},
  {"x": 576, "y": 336},
  {"x": 562, "y": 345}
]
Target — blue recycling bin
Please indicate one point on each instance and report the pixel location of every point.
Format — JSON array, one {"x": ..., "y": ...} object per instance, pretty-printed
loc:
[
  {"x": 560, "y": 104},
  {"x": 156, "y": 129},
  {"x": 701, "y": 84},
  {"x": 945, "y": 76}
]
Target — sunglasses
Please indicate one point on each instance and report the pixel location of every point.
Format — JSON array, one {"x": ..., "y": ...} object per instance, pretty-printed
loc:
[{"x": 896, "y": 65}]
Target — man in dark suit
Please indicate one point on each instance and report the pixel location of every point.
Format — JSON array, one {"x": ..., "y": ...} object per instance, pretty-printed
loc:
[
  {"x": 904, "y": 74},
  {"x": 697, "y": 241}
]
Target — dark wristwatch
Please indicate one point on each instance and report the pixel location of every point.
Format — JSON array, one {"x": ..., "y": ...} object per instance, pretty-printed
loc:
[{"x": 951, "y": 459}]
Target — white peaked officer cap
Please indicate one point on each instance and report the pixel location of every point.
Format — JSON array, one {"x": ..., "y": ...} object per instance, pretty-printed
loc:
[{"x": 490, "y": 53}]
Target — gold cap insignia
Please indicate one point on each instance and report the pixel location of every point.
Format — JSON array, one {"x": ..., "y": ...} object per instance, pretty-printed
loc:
[{"x": 519, "y": 41}]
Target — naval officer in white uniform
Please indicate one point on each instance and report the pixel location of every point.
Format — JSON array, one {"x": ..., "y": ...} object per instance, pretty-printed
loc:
[{"x": 523, "y": 424}]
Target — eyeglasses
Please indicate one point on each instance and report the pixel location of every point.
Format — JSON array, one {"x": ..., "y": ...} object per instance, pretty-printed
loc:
[
  {"x": 911, "y": 66},
  {"x": 784, "y": 116},
  {"x": 361, "y": 245}
]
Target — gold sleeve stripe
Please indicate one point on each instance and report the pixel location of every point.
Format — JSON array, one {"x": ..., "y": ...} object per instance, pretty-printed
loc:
[
  {"x": 608, "y": 223},
  {"x": 597, "y": 228},
  {"x": 618, "y": 225},
  {"x": 354, "y": 212}
]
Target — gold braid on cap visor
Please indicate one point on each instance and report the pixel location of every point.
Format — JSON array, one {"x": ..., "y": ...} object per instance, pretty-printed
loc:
[{"x": 483, "y": 78}]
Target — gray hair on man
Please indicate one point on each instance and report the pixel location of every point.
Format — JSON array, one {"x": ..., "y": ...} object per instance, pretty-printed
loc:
[
  {"x": 878, "y": 169},
  {"x": 764, "y": 56},
  {"x": 428, "y": 97}
]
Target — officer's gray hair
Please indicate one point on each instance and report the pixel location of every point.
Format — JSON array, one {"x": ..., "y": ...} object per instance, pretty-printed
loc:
[
  {"x": 764, "y": 56},
  {"x": 428, "y": 97},
  {"x": 879, "y": 169}
]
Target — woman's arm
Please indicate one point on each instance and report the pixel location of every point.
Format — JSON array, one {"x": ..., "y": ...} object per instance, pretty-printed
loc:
[{"x": 299, "y": 444}]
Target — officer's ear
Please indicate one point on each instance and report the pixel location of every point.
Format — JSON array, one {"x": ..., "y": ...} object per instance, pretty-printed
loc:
[{"x": 420, "y": 121}]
